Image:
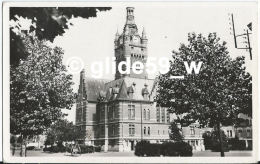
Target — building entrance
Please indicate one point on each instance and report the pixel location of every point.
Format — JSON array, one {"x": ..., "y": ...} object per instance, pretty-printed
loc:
[{"x": 132, "y": 145}]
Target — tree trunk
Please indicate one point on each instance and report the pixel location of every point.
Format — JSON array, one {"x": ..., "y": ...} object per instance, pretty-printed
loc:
[
  {"x": 21, "y": 152},
  {"x": 25, "y": 149},
  {"x": 13, "y": 151},
  {"x": 222, "y": 154},
  {"x": 23, "y": 146}
]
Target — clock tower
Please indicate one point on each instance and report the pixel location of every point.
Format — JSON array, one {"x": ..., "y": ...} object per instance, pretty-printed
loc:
[{"x": 131, "y": 45}]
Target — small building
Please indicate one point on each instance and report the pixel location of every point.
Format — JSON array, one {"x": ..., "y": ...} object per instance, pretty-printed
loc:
[{"x": 193, "y": 135}]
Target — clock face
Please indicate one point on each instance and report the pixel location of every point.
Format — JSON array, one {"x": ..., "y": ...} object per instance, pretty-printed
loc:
[{"x": 130, "y": 18}]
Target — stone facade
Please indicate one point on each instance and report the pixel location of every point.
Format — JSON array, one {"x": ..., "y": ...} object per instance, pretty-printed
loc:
[
  {"x": 117, "y": 114},
  {"x": 131, "y": 45}
]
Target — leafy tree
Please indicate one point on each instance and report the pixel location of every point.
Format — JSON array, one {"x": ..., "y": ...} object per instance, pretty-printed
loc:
[
  {"x": 216, "y": 95},
  {"x": 216, "y": 142},
  {"x": 49, "y": 23},
  {"x": 63, "y": 131},
  {"x": 207, "y": 140},
  {"x": 211, "y": 140},
  {"x": 175, "y": 133},
  {"x": 50, "y": 139},
  {"x": 39, "y": 88}
]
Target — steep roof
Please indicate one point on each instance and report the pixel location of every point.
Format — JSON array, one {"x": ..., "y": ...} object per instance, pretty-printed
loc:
[
  {"x": 93, "y": 88},
  {"x": 96, "y": 88},
  {"x": 127, "y": 84}
]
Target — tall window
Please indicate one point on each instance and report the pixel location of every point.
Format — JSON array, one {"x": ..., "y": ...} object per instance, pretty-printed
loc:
[
  {"x": 102, "y": 130},
  {"x": 158, "y": 114},
  {"x": 228, "y": 133},
  {"x": 109, "y": 112},
  {"x": 192, "y": 130},
  {"x": 168, "y": 116},
  {"x": 144, "y": 130},
  {"x": 131, "y": 129},
  {"x": 113, "y": 112},
  {"x": 163, "y": 114},
  {"x": 239, "y": 133},
  {"x": 144, "y": 114},
  {"x": 148, "y": 114},
  {"x": 131, "y": 112},
  {"x": 148, "y": 131},
  {"x": 113, "y": 129},
  {"x": 248, "y": 132},
  {"x": 102, "y": 113}
]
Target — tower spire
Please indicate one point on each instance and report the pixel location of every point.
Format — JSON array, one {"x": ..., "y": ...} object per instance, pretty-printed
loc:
[
  {"x": 117, "y": 35},
  {"x": 130, "y": 15},
  {"x": 144, "y": 34}
]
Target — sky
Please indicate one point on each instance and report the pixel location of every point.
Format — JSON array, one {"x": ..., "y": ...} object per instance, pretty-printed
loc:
[{"x": 167, "y": 26}]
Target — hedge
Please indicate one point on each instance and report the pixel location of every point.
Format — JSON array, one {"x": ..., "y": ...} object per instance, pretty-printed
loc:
[
  {"x": 236, "y": 144},
  {"x": 144, "y": 148},
  {"x": 89, "y": 149},
  {"x": 30, "y": 147},
  {"x": 141, "y": 148},
  {"x": 55, "y": 149},
  {"x": 84, "y": 149},
  {"x": 216, "y": 147}
]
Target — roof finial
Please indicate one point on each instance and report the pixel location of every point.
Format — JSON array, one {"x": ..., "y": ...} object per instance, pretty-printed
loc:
[
  {"x": 117, "y": 33},
  {"x": 144, "y": 33}
]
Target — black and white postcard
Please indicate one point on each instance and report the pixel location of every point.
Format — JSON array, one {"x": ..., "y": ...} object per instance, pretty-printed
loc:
[{"x": 130, "y": 82}]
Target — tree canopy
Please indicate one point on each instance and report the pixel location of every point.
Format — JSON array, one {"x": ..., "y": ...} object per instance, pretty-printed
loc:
[
  {"x": 175, "y": 132},
  {"x": 216, "y": 95},
  {"x": 49, "y": 23},
  {"x": 63, "y": 131},
  {"x": 39, "y": 88},
  {"x": 220, "y": 91}
]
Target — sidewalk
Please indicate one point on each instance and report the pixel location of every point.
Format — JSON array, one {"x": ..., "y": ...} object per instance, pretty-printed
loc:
[{"x": 206, "y": 153}]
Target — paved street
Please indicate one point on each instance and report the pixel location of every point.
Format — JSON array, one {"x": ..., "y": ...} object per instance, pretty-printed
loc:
[
  {"x": 131, "y": 154},
  {"x": 227, "y": 154}
]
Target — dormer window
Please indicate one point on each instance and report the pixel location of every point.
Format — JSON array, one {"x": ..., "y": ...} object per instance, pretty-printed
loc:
[
  {"x": 131, "y": 90},
  {"x": 145, "y": 92}
]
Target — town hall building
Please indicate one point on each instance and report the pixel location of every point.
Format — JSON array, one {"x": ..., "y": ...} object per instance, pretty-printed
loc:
[{"x": 117, "y": 114}]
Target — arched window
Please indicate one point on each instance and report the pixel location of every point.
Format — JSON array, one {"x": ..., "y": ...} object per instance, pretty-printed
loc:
[
  {"x": 144, "y": 114},
  {"x": 144, "y": 130},
  {"x": 148, "y": 114}
]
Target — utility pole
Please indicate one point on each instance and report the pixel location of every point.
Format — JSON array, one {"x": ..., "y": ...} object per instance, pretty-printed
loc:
[
  {"x": 246, "y": 36},
  {"x": 249, "y": 47},
  {"x": 234, "y": 32},
  {"x": 141, "y": 122}
]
